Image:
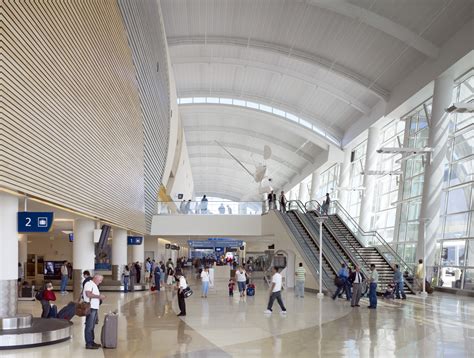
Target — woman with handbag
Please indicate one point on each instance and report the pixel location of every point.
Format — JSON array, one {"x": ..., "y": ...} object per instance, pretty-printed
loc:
[{"x": 181, "y": 285}]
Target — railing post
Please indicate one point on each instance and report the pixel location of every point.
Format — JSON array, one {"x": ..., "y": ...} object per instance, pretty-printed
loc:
[{"x": 320, "y": 220}]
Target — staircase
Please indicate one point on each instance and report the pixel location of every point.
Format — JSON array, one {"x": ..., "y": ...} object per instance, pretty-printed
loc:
[{"x": 349, "y": 246}]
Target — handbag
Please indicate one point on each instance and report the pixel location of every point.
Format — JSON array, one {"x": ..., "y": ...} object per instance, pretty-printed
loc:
[
  {"x": 187, "y": 292},
  {"x": 83, "y": 309}
]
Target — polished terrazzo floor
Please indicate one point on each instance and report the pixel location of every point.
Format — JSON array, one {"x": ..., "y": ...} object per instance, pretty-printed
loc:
[{"x": 220, "y": 326}]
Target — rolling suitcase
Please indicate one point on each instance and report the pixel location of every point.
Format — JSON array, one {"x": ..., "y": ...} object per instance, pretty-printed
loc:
[
  {"x": 68, "y": 311},
  {"x": 250, "y": 289},
  {"x": 108, "y": 335}
]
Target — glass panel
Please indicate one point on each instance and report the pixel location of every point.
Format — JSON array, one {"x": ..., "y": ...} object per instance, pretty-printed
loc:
[
  {"x": 279, "y": 112},
  {"x": 186, "y": 100},
  {"x": 456, "y": 226},
  {"x": 470, "y": 252},
  {"x": 412, "y": 231},
  {"x": 226, "y": 100},
  {"x": 463, "y": 120},
  {"x": 453, "y": 253},
  {"x": 459, "y": 200},
  {"x": 252, "y": 105},
  {"x": 409, "y": 254},
  {"x": 239, "y": 102},
  {"x": 212, "y": 100},
  {"x": 469, "y": 279},
  {"x": 450, "y": 277},
  {"x": 463, "y": 145},
  {"x": 292, "y": 117},
  {"x": 199, "y": 100},
  {"x": 266, "y": 108},
  {"x": 462, "y": 172},
  {"x": 305, "y": 123}
]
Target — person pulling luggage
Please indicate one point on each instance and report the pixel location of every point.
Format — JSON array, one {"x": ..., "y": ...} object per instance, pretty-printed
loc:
[{"x": 91, "y": 294}]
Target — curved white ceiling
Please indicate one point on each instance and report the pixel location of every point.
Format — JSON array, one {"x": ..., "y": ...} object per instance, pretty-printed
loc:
[{"x": 327, "y": 61}]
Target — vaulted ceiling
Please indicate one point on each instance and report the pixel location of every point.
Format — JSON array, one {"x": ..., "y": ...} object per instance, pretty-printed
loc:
[{"x": 326, "y": 61}]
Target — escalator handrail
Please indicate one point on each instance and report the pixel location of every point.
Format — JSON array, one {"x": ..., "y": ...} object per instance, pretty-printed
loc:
[
  {"x": 353, "y": 258},
  {"x": 326, "y": 279},
  {"x": 335, "y": 258},
  {"x": 373, "y": 233}
]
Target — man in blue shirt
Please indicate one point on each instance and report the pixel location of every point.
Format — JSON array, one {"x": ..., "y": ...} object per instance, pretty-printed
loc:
[
  {"x": 398, "y": 279},
  {"x": 342, "y": 285}
]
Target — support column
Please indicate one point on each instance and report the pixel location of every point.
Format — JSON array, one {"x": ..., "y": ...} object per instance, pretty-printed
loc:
[
  {"x": 119, "y": 253},
  {"x": 345, "y": 179},
  {"x": 433, "y": 182},
  {"x": 303, "y": 193},
  {"x": 8, "y": 255},
  {"x": 83, "y": 251},
  {"x": 23, "y": 252},
  {"x": 315, "y": 181},
  {"x": 367, "y": 203},
  {"x": 138, "y": 254}
]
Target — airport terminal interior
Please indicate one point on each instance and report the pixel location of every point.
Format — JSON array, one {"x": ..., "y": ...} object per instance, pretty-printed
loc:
[{"x": 237, "y": 178}]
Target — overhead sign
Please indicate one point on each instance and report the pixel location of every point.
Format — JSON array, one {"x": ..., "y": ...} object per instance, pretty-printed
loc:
[
  {"x": 29, "y": 221},
  {"x": 134, "y": 240},
  {"x": 212, "y": 244}
]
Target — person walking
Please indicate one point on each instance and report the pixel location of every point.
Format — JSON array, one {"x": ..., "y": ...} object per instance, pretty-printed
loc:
[
  {"x": 205, "y": 281},
  {"x": 275, "y": 292},
  {"x": 147, "y": 270},
  {"x": 133, "y": 276},
  {"x": 373, "y": 280},
  {"x": 300, "y": 274},
  {"x": 187, "y": 207},
  {"x": 204, "y": 202},
  {"x": 221, "y": 209},
  {"x": 342, "y": 276},
  {"x": 241, "y": 278},
  {"x": 398, "y": 279},
  {"x": 271, "y": 200},
  {"x": 157, "y": 276},
  {"x": 325, "y": 207},
  {"x": 64, "y": 277},
  {"x": 419, "y": 275},
  {"x": 138, "y": 269},
  {"x": 91, "y": 294},
  {"x": 229, "y": 210},
  {"x": 182, "y": 207},
  {"x": 182, "y": 285},
  {"x": 283, "y": 202},
  {"x": 356, "y": 279},
  {"x": 126, "y": 278}
]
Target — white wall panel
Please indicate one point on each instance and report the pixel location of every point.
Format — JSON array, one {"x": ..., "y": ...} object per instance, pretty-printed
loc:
[{"x": 72, "y": 129}]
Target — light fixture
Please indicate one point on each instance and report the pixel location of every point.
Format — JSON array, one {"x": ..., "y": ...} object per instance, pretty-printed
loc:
[
  {"x": 395, "y": 150},
  {"x": 461, "y": 108}
]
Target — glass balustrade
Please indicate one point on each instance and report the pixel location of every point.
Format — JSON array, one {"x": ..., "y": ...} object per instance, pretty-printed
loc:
[{"x": 209, "y": 208}]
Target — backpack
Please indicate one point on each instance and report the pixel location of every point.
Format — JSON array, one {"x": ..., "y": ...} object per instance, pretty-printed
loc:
[{"x": 39, "y": 295}]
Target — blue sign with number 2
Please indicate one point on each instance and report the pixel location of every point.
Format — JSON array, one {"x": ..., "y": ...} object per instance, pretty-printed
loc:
[{"x": 29, "y": 221}]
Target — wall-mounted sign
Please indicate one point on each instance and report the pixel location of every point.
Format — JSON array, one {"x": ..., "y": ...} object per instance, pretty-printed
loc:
[
  {"x": 29, "y": 221},
  {"x": 167, "y": 246},
  {"x": 134, "y": 240},
  {"x": 174, "y": 247}
]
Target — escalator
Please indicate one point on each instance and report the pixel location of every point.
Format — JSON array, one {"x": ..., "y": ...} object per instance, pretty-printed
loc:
[
  {"x": 361, "y": 248},
  {"x": 308, "y": 249}
]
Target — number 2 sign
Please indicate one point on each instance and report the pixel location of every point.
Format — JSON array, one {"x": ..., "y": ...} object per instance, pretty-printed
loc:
[{"x": 29, "y": 221}]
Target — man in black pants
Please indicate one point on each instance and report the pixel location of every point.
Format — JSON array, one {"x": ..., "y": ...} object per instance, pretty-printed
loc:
[
  {"x": 275, "y": 292},
  {"x": 182, "y": 284}
]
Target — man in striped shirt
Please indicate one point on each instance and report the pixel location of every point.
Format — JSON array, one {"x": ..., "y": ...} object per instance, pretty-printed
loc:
[{"x": 300, "y": 274}]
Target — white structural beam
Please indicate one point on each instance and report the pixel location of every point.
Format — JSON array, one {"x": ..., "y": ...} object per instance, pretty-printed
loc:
[
  {"x": 381, "y": 23},
  {"x": 278, "y": 70},
  {"x": 209, "y": 171},
  {"x": 218, "y": 194},
  {"x": 270, "y": 140},
  {"x": 274, "y": 159},
  {"x": 250, "y": 149},
  {"x": 303, "y": 56}
]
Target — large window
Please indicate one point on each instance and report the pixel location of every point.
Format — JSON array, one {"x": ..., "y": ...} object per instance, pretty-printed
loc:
[
  {"x": 357, "y": 179},
  {"x": 386, "y": 189},
  {"x": 416, "y": 136},
  {"x": 328, "y": 182},
  {"x": 457, "y": 206}
]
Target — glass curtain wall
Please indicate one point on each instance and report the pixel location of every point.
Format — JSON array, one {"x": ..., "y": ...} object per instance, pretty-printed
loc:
[
  {"x": 416, "y": 136},
  {"x": 457, "y": 206},
  {"x": 328, "y": 182},
  {"x": 357, "y": 179},
  {"x": 386, "y": 189}
]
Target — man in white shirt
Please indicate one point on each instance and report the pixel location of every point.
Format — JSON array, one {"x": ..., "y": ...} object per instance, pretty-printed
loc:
[
  {"x": 241, "y": 278},
  {"x": 92, "y": 295},
  {"x": 182, "y": 284},
  {"x": 356, "y": 278},
  {"x": 275, "y": 292}
]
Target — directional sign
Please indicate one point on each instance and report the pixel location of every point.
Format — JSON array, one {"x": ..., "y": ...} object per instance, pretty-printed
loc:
[
  {"x": 29, "y": 221},
  {"x": 134, "y": 240}
]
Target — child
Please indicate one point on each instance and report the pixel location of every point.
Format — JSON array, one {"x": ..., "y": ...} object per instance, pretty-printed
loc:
[
  {"x": 389, "y": 291},
  {"x": 231, "y": 287}
]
